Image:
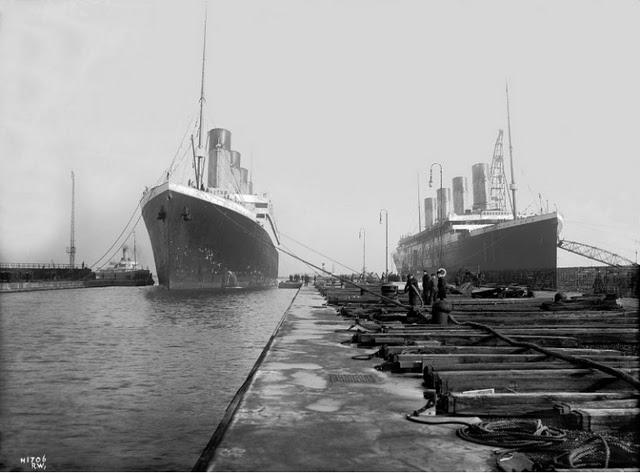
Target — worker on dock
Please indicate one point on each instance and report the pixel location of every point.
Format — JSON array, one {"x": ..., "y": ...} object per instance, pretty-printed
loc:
[
  {"x": 414, "y": 291},
  {"x": 598, "y": 286},
  {"x": 442, "y": 283},
  {"x": 427, "y": 287}
]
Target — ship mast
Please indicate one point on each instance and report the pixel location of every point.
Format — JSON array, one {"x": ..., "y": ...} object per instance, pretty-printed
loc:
[
  {"x": 135, "y": 264},
  {"x": 199, "y": 152},
  {"x": 72, "y": 243},
  {"x": 513, "y": 181},
  {"x": 419, "y": 215}
]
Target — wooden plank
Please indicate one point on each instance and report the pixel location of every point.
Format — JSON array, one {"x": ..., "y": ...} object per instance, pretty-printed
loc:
[
  {"x": 534, "y": 307},
  {"x": 584, "y": 334},
  {"x": 546, "y": 365},
  {"x": 607, "y": 404},
  {"x": 444, "y": 362},
  {"x": 509, "y": 320},
  {"x": 507, "y": 331},
  {"x": 605, "y": 420},
  {"x": 441, "y": 359},
  {"x": 461, "y": 339},
  {"x": 476, "y": 349},
  {"x": 584, "y": 380},
  {"x": 505, "y": 312},
  {"x": 514, "y": 404}
]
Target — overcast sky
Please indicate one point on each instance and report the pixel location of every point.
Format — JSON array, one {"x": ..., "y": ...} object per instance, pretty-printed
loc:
[{"x": 339, "y": 108}]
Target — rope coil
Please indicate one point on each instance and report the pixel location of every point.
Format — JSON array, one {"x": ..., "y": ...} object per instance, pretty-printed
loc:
[{"x": 599, "y": 451}]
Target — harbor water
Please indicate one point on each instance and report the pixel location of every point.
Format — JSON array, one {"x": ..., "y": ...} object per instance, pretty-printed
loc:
[{"x": 124, "y": 378}]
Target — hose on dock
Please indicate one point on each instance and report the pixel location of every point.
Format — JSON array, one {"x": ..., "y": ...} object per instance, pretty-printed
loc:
[
  {"x": 513, "y": 433},
  {"x": 368, "y": 356},
  {"x": 617, "y": 373},
  {"x": 551, "y": 447}
]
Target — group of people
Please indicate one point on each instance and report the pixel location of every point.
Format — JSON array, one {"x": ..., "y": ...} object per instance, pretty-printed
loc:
[
  {"x": 301, "y": 278},
  {"x": 434, "y": 286}
]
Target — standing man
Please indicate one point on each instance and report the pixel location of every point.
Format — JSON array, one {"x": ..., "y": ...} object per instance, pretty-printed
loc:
[
  {"x": 427, "y": 287},
  {"x": 442, "y": 283},
  {"x": 598, "y": 287},
  {"x": 412, "y": 288}
]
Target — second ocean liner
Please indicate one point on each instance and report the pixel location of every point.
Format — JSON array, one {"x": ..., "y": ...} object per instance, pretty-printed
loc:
[
  {"x": 483, "y": 236},
  {"x": 211, "y": 232}
]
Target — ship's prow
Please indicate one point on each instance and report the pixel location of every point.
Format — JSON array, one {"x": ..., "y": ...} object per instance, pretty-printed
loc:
[
  {"x": 203, "y": 240},
  {"x": 212, "y": 232}
]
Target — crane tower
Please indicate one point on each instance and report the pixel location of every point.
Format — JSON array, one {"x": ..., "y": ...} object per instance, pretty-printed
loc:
[{"x": 498, "y": 180}]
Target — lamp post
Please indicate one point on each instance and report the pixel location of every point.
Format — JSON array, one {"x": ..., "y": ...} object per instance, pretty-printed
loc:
[
  {"x": 363, "y": 235},
  {"x": 386, "y": 247}
]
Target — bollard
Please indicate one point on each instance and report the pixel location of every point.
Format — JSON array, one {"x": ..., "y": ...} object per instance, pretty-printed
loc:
[
  {"x": 440, "y": 313},
  {"x": 389, "y": 291}
]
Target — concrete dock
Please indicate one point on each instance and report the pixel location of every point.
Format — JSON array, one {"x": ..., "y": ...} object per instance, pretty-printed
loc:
[{"x": 309, "y": 406}]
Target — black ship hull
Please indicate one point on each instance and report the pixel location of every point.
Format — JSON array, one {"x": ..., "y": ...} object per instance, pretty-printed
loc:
[
  {"x": 202, "y": 242},
  {"x": 525, "y": 244}
]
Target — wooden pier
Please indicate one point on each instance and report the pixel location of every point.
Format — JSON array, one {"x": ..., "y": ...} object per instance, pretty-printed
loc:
[{"x": 347, "y": 371}]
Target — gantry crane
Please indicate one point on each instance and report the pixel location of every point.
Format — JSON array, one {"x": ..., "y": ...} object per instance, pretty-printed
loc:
[{"x": 594, "y": 253}]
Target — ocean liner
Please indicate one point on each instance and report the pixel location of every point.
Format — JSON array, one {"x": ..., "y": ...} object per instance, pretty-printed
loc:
[
  {"x": 211, "y": 232},
  {"x": 483, "y": 236}
]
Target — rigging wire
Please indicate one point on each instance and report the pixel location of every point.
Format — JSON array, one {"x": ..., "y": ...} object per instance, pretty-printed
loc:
[
  {"x": 322, "y": 270},
  {"x": 320, "y": 254},
  {"x": 123, "y": 243},
  {"x": 173, "y": 164},
  {"x": 119, "y": 236},
  {"x": 169, "y": 170}
]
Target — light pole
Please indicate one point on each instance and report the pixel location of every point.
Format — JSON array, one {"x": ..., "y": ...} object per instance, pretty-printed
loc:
[
  {"x": 363, "y": 235},
  {"x": 386, "y": 248}
]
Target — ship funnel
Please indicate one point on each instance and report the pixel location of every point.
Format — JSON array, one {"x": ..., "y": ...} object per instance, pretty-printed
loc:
[
  {"x": 460, "y": 195},
  {"x": 219, "y": 145},
  {"x": 429, "y": 212},
  {"x": 220, "y": 138},
  {"x": 479, "y": 173},
  {"x": 235, "y": 160},
  {"x": 443, "y": 203},
  {"x": 244, "y": 180}
]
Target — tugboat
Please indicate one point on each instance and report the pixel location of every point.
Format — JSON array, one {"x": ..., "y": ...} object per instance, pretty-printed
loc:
[{"x": 125, "y": 272}]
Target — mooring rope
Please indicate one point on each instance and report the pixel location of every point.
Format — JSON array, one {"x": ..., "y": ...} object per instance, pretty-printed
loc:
[
  {"x": 598, "y": 451},
  {"x": 311, "y": 265},
  {"x": 120, "y": 236}
]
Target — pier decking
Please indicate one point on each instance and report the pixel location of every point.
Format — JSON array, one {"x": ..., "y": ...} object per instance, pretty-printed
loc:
[
  {"x": 316, "y": 402},
  {"x": 311, "y": 407}
]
